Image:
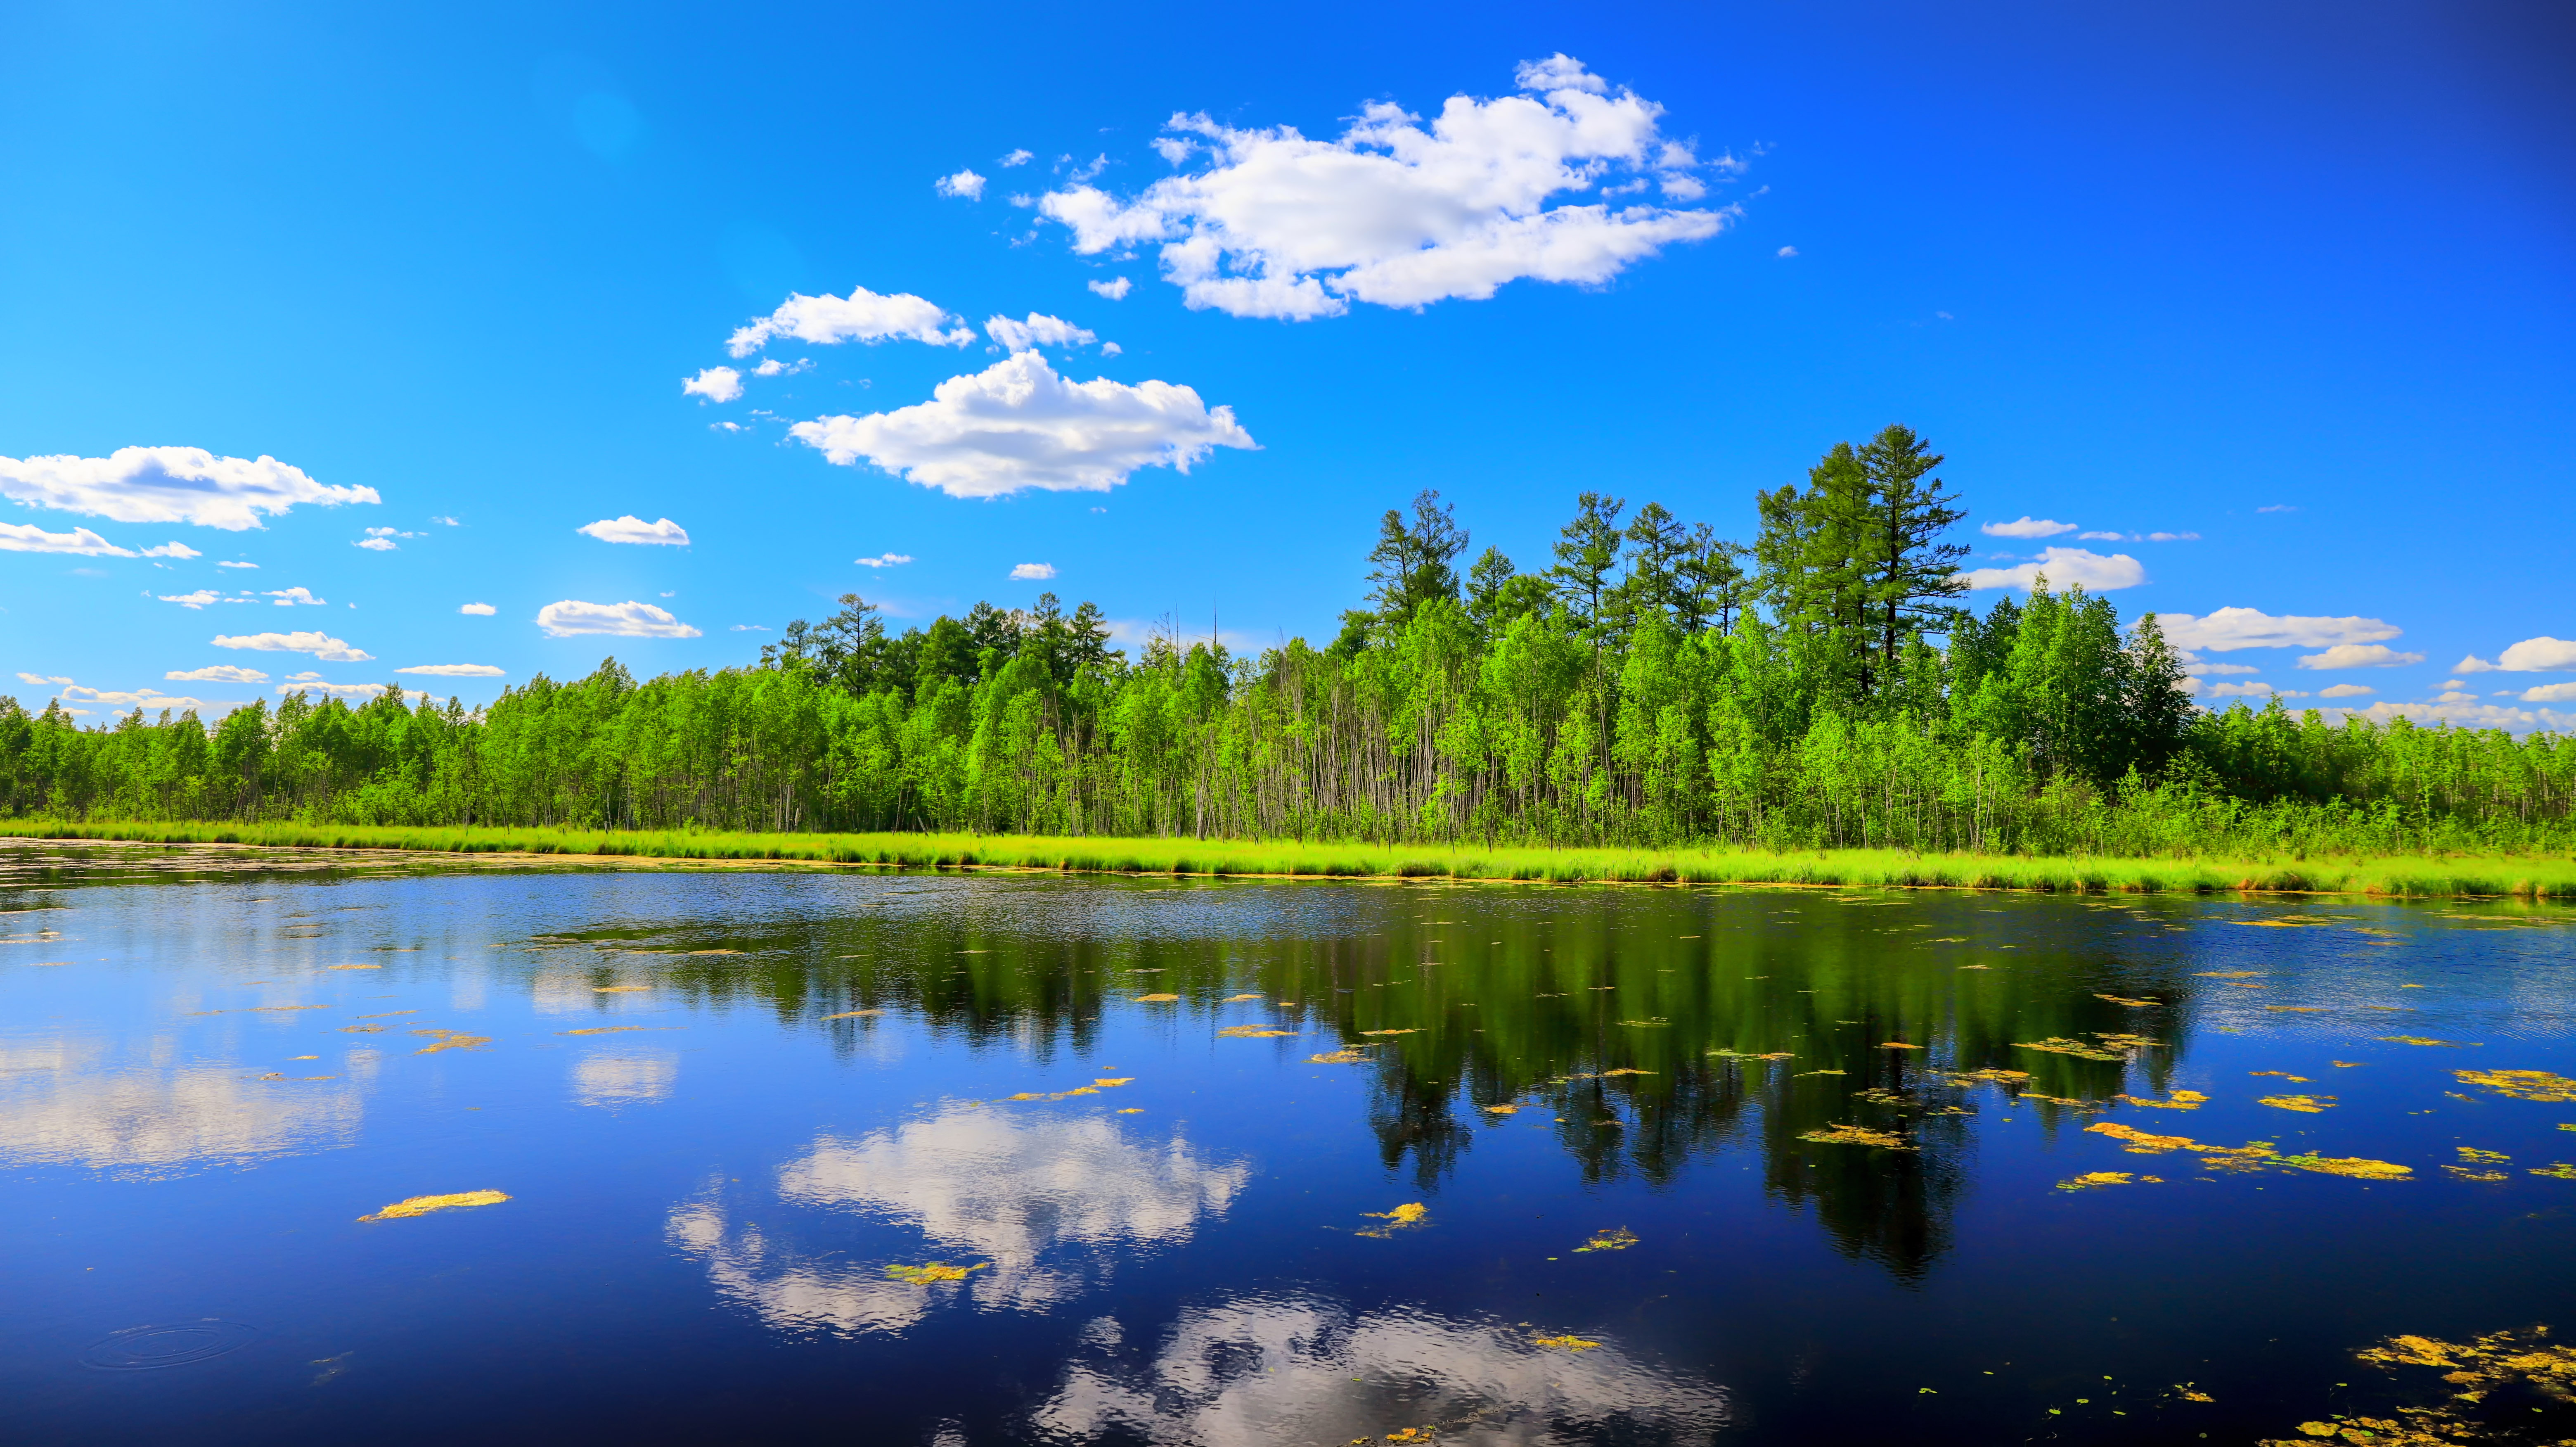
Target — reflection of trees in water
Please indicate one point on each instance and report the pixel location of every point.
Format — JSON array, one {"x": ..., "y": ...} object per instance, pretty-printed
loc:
[{"x": 1635, "y": 1018}]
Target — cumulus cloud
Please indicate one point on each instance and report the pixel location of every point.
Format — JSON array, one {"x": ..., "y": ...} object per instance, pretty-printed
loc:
[
  {"x": 2359, "y": 655},
  {"x": 2346, "y": 690},
  {"x": 151, "y": 699},
  {"x": 454, "y": 670},
  {"x": 2084, "y": 537},
  {"x": 1038, "y": 331},
  {"x": 40, "y": 680},
  {"x": 632, "y": 529},
  {"x": 2532, "y": 655},
  {"x": 862, "y": 316},
  {"x": 320, "y": 645},
  {"x": 289, "y": 597},
  {"x": 2198, "y": 669},
  {"x": 1018, "y": 425},
  {"x": 713, "y": 384},
  {"x": 478, "y": 610},
  {"x": 965, "y": 184},
  {"x": 772, "y": 367},
  {"x": 81, "y": 542},
  {"x": 2253, "y": 688},
  {"x": 1017, "y": 158},
  {"x": 2065, "y": 568},
  {"x": 343, "y": 690},
  {"x": 2279, "y": 507},
  {"x": 2027, "y": 526},
  {"x": 381, "y": 540},
  {"x": 884, "y": 560},
  {"x": 621, "y": 620},
  {"x": 2460, "y": 711},
  {"x": 1115, "y": 288},
  {"x": 169, "y": 485},
  {"x": 2550, "y": 693},
  {"x": 1786, "y": 252},
  {"x": 230, "y": 564},
  {"x": 1033, "y": 572},
  {"x": 2173, "y": 537},
  {"x": 197, "y": 599},
  {"x": 215, "y": 673},
  {"x": 2233, "y": 628},
  {"x": 1398, "y": 215}
]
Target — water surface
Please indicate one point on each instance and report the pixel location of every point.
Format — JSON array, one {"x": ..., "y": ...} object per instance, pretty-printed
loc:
[{"x": 724, "y": 1104}]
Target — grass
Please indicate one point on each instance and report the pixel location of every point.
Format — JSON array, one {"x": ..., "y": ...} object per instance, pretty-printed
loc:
[{"x": 2416, "y": 876}]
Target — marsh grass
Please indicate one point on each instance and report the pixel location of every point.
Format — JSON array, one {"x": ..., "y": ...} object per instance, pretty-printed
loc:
[{"x": 2527, "y": 877}]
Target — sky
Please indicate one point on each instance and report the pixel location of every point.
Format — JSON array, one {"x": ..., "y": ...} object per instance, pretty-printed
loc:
[{"x": 446, "y": 346}]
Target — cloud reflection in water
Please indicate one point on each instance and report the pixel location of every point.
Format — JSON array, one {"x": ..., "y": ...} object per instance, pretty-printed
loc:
[{"x": 62, "y": 1103}]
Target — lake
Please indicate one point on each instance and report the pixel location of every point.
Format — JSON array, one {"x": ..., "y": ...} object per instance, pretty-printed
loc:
[{"x": 944, "y": 1159}]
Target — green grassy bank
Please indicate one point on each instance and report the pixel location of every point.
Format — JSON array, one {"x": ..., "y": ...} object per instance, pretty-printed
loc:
[{"x": 2527, "y": 877}]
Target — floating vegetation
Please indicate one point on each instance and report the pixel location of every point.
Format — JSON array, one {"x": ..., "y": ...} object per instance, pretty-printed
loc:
[
  {"x": 2296, "y": 1009},
  {"x": 1753, "y": 1055},
  {"x": 2283, "y": 1074},
  {"x": 2304, "y": 1104},
  {"x": 2492, "y": 1158},
  {"x": 1347, "y": 1055},
  {"x": 2501, "y": 1362},
  {"x": 2179, "y": 1100},
  {"x": 1855, "y": 1135},
  {"x": 1237, "y": 999},
  {"x": 2475, "y": 1173},
  {"x": 933, "y": 1272},
  {"x": 854, "y": 1014},
  {"x": 619, "y": 989},
  {"x": 1508, "y": 1108},
  {"x": 600, "y": 1030},
  {"x": 1253, "y": 1032},
  {"x": 1570, "y": 1343},
  {"x": 2537, "y": 1085},
  {"x": 1412, "y": 1213},
  {"x": 2562, "y": 1171},
  {"x": 1999, "y": 1077},
  {"x": 1626, "y": 1070},
  {"x": 1107, "y": 1081},
  {"x": 2417, "y": 1040},
  {"x": 2143, "y": 1143},
  {"x": 1408, "y": 1030},
  {"x": 1897, "y": 1045},
  {"x": 2125, "y": 1000},
  {"x": 1617, "y": 1238},
  {"x": 450, "y": 1040},
  {"x": 1159, "y": 999},
  {"x": 423, "y": 1205},
  {"x": 353, "y": 967},
  {"x": 2091, "y": 1180},
  {"x": 1646, "y": 1024},
  {"x": 2077, "y": 1048},
  {"x": 2352, "y": 1166},
  {"x": 364, "y": 1029}
]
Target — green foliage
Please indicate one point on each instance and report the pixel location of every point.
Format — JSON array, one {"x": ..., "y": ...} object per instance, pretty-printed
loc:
[{"x": 1644, "y": 691}]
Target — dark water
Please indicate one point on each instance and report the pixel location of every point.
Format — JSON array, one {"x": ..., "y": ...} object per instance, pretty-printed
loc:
[{"x": 209, "y": 1077}]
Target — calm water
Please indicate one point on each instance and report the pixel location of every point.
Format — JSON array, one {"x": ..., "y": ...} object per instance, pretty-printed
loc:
[{"x": 724, "y": 1104}]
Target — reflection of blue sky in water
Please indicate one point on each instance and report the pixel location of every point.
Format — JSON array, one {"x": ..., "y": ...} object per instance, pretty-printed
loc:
[
  {"x": 610, "y": 1081},
  {"x": 65, "y": 1102},
  {"x": 1049, "y": 1200},
  {"x": 1257, "y": 1370}
]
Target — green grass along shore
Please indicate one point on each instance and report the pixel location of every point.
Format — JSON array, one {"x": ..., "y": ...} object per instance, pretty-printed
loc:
[{"x": 2527, "y": 877}]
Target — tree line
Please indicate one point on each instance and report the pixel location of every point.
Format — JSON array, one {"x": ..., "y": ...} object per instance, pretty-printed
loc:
[{"x": 1651, "y": 683}]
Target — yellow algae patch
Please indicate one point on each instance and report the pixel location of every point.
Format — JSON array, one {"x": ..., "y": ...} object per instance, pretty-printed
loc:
[
  {"x": 2345, "y": 1064},
  {"x": 1627, "y": 1070},
  {"x": 1897, "y": 1045},
  {"x": 2077, "y": 1048},
  {"x": 1253, "y": 1032},
  {"x": 1511, "y": 1109},
  {"x": 2416, "y": 1040},
  {"x": 854, "y": 1014},
  {"x": 1742, "y": 1055},
  {"x": 364, "y": 1029},
  {"x": 423, "y": 1205},
  {"x": 619, "y": 989},
  {"x": 2283, "y": 1074},
  {"x": 2561, "y": 1171},
  {"x": 2296, "y": 1009},
  {"x": 1161, "y": 999},
  {"x": 1854, "y": 1135},
  {"x": 2304, "y": 1104},
  {"x": 933, "y": 1272},
  {"x": 2144, "y": 1143},
  {"x": 2283, "y": 923},
  {"x": 2472, "y": 1153},
  {"x": 2125, "y": 1000},
  {"x": 600, "y": 1030},
  {"x": 2092, "y": 1179},
  {"x": 1347, "y": 1055},
  {"x": 1133, "y": 1110},
  {"x": 2475, "y": 1173},
  {"x": 711, "y": 952},
  {"x": 1106, "y": 1081},
  {"x": 1617, "y": 1238},
  {"x": 1570, "y": 1343},
  {"x": 1237, "y": 999},
  {"x": 451, "y": 1040},
  {"x": 1026, "y": 1095},
  {"x": 1409, "y": 1030},
  {"x": 1999, "y": 1077},
  {"x": 2355, "y": 1167},
  {"x": 1412, "y": 1213},
  {"x": 353, "y": 967},
  {"x": 2180, "y": 1100},
  {"x": 2523, "y": 1084},
  {"x": 1077, "y": 1090}
]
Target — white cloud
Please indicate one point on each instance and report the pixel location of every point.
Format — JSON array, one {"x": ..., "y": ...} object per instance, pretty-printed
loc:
[
  {"x": 2360, "y": 655},
  {"x": 1019, "y": 425},
  {"x": 1016, "y": 158},
  {"x": 169, "y": 485},
  {"x": 289, "y": 597},
  {"x": 2233, "y": 628},
  {"x": 1115, "y": 288},
  {"x": 344, "y": 690},
  {"x": 172, "y": 550},
  {"x": 381, "y": 540},
  {"x": 446, "y": 522},
  {"x": 229, "y": 564},
  {"x": 320, "y": 645},
  {"x": 1397, "y": 215},
  {"x": 884, "y": 560},
  {"x": 1038, "y": 331},
  {"x": 2468, "y": 715},
  {"x": 749, "y": 628},
  {"x": 302, "y": 677},
  {"x": 2198, "y": 669},
  {"x": 965, "y": 183},
  {"x": 2088, "y": 537},
  {"x": 714, "y": 384},
  {"x": 2253, "y": 688},
  {"x": 2173, "y": 537},
  {"x": 2532, "y": 655},
  {"x": 2278, "y": 507},
  {"x": 863, "y": 316},
  {"x": 478, "y": 610},
  {"x": 632, "y": 529},
  {"x": 197, "y": 599},
  {"x": 41, "y": 680},
  {"x": 2065, "y": 568},
  {"x": 148, "y": 699},
  {"x": 1033, "y": 572},
  {"x": 2550, "y": 693},
  {"x": 772, "y": 367},
  {"x": 2030, "y": 527},
  {"x": 214, "y": 673},
  {"x": 456, "y": 670},
  {"x": 2346, "y": 690},
  {"x": 1786, "y": 251},
  {"x": 621, "y": 620},
  {"x": 81, "y": 542}
]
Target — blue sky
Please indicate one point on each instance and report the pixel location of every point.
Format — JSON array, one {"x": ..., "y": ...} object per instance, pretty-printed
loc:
[{"x": 2294, "y": 285}]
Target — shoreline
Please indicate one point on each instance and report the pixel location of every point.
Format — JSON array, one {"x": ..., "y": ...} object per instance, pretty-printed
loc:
[{"x": 2385, "y": 876}]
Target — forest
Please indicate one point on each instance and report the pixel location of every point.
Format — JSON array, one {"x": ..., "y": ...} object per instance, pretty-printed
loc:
[{"x": 1652, "y": 684}]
